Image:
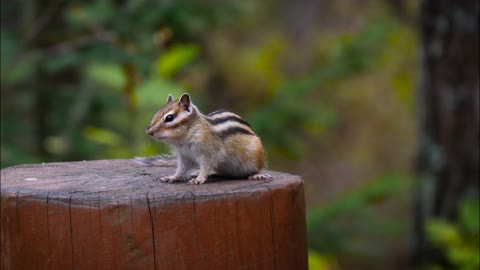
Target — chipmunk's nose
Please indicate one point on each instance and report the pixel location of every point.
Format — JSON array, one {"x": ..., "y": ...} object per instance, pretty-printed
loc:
[{"x": 149, "y": 132}]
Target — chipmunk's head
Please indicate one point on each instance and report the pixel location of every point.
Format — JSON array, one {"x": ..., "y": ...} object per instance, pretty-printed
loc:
[{"x": 172, "y": 122}]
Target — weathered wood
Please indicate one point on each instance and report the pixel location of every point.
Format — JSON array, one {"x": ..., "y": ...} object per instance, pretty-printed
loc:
[{"x": 111, "y": 214}]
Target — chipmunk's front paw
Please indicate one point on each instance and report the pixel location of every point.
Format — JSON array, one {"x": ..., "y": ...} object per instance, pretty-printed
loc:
[
  {"x": 168, "y": 179},
  {"x": 194, "y": 174},
  {"x": 260, "y": 176},
  {"x": 197, "y": 181}
]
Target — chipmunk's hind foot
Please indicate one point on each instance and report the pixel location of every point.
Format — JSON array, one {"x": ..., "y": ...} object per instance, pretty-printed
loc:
[{"x": 261, "y": 177}]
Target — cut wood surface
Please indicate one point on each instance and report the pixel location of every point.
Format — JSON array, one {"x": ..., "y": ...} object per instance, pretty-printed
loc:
[{"x": 112, "y": 214}]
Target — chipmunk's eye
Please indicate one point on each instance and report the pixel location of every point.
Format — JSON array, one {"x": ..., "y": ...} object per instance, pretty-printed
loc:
[{"x": 169, "y": 118}]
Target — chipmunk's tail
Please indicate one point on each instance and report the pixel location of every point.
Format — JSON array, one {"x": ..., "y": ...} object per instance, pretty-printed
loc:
[{"x": 159, "y": 161}]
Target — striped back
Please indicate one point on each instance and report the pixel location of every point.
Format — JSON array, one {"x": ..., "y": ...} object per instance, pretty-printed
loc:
[
  {"x": 179, "y": 119},
  {"x": 226, "y": 124}
]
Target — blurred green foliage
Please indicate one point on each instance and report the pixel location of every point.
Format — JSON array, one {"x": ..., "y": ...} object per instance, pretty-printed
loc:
[
  {"x": 293, "y": 119},
  {"x": 460, "y": 241},
  {"x": 344, "y": 226},
  {"x": 176, "y": 58},
  {"x": 125, "y": 58},
  {"x": 317, "y": 261},
  {"x": 96, "y": 81},
  {"x": 81, "y": 80}
]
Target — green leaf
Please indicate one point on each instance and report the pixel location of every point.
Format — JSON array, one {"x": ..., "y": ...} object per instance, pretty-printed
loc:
[
  {"x": 176, "y": 58},
  {"x": 56, "y": 145},
  {"x": 16, "y": 66},
  {"x": 62, "y": 61},
  {"x": 154, "y": 92},
  {"x": 109, "y": 75},
  {"x": 317, "y": 261},
  {"x": 402, "y": 84},
  {"x": 101, "y": 11},
  {"x": 442, "y": 233},
  {"x": 469, "y": 215},
  {"x": 22, "y": 69},
  {"x": 102, "y": 136}
]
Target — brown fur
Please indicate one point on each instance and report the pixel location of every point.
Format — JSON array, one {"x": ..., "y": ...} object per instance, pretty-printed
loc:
[{"x": 221, "y": 143}]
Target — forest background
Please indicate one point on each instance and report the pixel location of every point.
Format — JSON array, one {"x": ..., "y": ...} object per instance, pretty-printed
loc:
[{"x": 330, "y": 86}]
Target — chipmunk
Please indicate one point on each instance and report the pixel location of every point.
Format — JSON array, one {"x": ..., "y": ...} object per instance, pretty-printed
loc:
[{"x": 220, "y": 143}]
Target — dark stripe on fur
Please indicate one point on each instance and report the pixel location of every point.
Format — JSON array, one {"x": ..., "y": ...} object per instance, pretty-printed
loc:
[
  {"x": 179, "y": 123},
  {"x": 216, "y": 112},
  {"x": 234, "y": 131},
  {"x": 182, "y": 122},
  {"x": 228, "y": 118}
]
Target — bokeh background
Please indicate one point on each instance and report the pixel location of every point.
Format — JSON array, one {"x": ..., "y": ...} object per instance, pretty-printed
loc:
[{"x": 330, "y": 86}]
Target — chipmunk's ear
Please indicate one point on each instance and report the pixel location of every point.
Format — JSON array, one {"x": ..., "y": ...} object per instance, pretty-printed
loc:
[
  {"x": 185, "y": 102},
  {"x": 169, "y": 98}
]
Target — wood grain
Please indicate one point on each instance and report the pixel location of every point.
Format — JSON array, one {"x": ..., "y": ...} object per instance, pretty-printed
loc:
[{"x": 112, "y": 214}]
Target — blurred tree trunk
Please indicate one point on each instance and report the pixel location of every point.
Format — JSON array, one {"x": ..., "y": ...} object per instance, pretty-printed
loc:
[
  {"x": 300, "y": 22},
  {"x": 448, "y": 155}
]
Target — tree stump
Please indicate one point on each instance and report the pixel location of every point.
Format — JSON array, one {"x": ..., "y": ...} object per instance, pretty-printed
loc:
[{"x": 112, "y": 214}]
